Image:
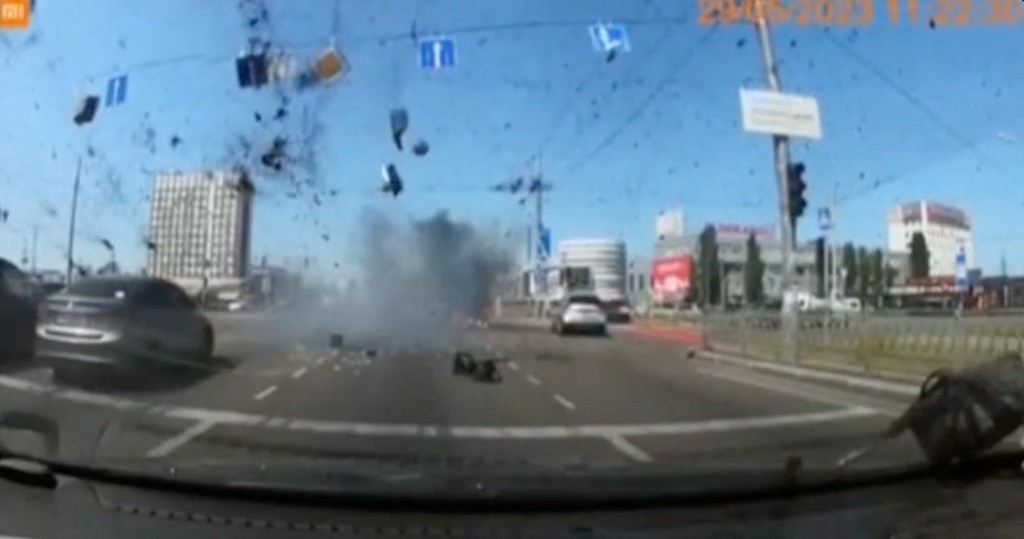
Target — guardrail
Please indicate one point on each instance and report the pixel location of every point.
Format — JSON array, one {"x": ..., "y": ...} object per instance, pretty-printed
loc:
[{"x": 865, "y": 342}]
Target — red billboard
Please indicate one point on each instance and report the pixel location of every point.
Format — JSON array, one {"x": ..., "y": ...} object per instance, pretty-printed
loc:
[{"x": 670, "y": 278}]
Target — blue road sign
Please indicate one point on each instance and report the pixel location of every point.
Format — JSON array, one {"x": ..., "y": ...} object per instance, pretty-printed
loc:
[
  {"x": 609, "y": 37},
  {"x": 544, "y": 245},
  {"x": 117, "y": 89},
  {"x": 961, "y": 269},
  {"x": 437, "y": 53}
]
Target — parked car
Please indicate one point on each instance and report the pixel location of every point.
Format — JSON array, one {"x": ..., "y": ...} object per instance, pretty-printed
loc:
[
  {"x": 618, "y": 312},
  {"x": 18, "y": 298},
  {"x": 124, "y": 325},
  {"x": 578, "y": 312}
]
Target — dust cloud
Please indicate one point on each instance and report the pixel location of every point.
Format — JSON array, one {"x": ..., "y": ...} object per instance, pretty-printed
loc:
[{"x": 414, "y": 278}]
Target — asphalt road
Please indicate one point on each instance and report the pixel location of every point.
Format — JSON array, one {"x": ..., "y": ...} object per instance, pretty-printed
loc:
[{"x": 279, "y": 392}]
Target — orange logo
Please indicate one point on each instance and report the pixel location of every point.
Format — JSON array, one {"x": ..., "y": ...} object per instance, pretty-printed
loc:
[{"x": 14, "y": 14}]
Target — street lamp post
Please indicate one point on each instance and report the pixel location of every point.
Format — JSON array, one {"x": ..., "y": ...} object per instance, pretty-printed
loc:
[{"x": 71, "y": 226}]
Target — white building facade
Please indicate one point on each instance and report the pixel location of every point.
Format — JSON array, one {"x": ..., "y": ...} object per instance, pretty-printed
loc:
[
  {"x": 200, "y": 228},
  {"x": 946, "y": 231}
]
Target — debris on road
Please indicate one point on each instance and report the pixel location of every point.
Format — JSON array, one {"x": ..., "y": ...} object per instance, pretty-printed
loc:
[
  {"x": 482, "y": 370},
  {"x": 961, "y": 413}
]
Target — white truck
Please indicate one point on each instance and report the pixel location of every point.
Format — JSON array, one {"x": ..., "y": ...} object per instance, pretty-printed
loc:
[{"x": 807, "y": 302}]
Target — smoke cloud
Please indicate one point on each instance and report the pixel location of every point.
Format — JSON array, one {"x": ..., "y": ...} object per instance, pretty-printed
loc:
[{"x": 414, "y": 279}]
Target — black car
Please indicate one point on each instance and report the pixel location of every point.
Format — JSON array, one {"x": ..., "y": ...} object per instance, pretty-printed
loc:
[{"x": 17, "y": 314}]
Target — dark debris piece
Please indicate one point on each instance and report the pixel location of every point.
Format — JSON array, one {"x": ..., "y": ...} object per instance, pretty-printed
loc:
[
  {"x": 175, "y": 141},
  {"x": 399, "y": 125},
  {"x": 87, "y": 110},
  {"x": 393, "y": 184},
  {"x": 274, "y": 157},
  {"x": 252, "y": 70},
  {"x": 281, "y": 113},
  {"x": 421, "y": 148}
]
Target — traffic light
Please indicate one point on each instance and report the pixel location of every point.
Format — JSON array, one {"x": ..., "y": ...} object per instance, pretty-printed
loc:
[{"x": 797, "y": 187}]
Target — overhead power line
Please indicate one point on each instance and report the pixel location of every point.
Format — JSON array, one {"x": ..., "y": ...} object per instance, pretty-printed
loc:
[{"x": 644, "y": 103}]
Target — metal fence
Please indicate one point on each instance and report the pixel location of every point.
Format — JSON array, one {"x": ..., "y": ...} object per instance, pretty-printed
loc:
[{"x": 907, "y": 345}]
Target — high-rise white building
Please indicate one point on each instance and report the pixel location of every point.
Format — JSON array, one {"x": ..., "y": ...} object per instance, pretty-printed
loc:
[
  {"x": 946, "y": 230},
  {"x": 200, "y": 227}
]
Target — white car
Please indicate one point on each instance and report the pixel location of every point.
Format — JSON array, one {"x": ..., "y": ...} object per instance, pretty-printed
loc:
[{"x": 579, "y": 312}]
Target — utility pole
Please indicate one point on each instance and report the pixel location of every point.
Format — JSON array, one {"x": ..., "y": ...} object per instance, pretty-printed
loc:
[
  {"x": 71, "y": 227},
  {"x": 781, "y": 147},
  {"x": 35, "y": 246}
]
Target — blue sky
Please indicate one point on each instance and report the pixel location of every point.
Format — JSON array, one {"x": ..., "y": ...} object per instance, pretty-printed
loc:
[{"x": 655, "y": 129}]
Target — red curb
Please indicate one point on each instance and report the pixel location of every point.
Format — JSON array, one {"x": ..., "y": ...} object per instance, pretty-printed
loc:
[{"x": 690, "y": 337}]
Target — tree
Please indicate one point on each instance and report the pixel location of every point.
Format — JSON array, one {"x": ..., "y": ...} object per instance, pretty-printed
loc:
[
  {"x": 819, "y": 266},
  {"x": 879, "y": 278},
  {"x": 753, "y": 273},
  {"x": 850, "y": 265},
  {"x": 709, "y": 270},
  {"x": 919, "y": 256},
  {"x": 864, "y": 274}
]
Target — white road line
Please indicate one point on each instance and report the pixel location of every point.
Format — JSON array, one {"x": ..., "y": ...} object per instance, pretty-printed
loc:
[
  {"x": 803, "y": 393},
  {"x": 725, "y": 425},
  {"x": 299, "y": 373},
  {"x": 84, "y": 397},
  {"x": 566, "y": 403},
  {"x": 533, "y": 379},
  {"x": 513, "y": 365},
  {"x": 171, "y": 444},
  {"x": 337, "y": 367},
  {"x": 207, "y": 418},
  {"x": 629, "y": 449},
  {"x": 265, "y": 393}
]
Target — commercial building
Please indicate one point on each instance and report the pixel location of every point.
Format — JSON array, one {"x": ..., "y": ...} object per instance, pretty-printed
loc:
[
  {"x": 667, "y": 278},
  {"x": 200, "y": 229},
  {"x": 606, "y": 260},
  {"x": 946, "y": 231}
]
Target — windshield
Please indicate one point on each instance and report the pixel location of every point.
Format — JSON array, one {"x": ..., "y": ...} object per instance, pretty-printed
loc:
[{"x": 346, "y": 194}]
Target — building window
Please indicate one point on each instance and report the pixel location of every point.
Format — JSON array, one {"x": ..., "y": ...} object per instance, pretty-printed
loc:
[{"x": 632, "y": 278}]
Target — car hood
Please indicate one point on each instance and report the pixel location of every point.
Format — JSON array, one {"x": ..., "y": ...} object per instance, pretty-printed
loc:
[{"x": 578, "y": 485}]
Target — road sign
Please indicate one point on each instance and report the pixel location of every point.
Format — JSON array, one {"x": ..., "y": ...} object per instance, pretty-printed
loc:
[
  {"x": 961, "y": 270},
  {"x": 544, "y": 245},
  {"x": 608, "y": 37},
  {"x": 776, "y": 113},
  {"x": 117, "y": 88},
  {"x": 437, "y": 53}
]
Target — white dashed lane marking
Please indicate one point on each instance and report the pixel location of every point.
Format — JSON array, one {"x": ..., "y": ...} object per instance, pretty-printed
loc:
[
  {"x": 265, "y": 393},
  {"x": 513, "y": 365},
  {"x": 566, "y": 403},
  {"x": 629, "y": 449},
  {"x": 169, "y": 445},
  {"x": 533, "y": 379},
  {"x": 299, "y": 373}
]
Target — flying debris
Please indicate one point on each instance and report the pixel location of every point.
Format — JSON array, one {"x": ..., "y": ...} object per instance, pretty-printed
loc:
[
  {"x": 392, "y": 181},
  {"x": 330, "y": 66},
  {"x": 87, "y": 110},
  {"x": 106, "y": 244},
  {"x": 252, "y": 69},
  {"x": 399, "y": 124},
  {"x": 275, "y": 156},
  {"x": 420, "y": 148}
]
